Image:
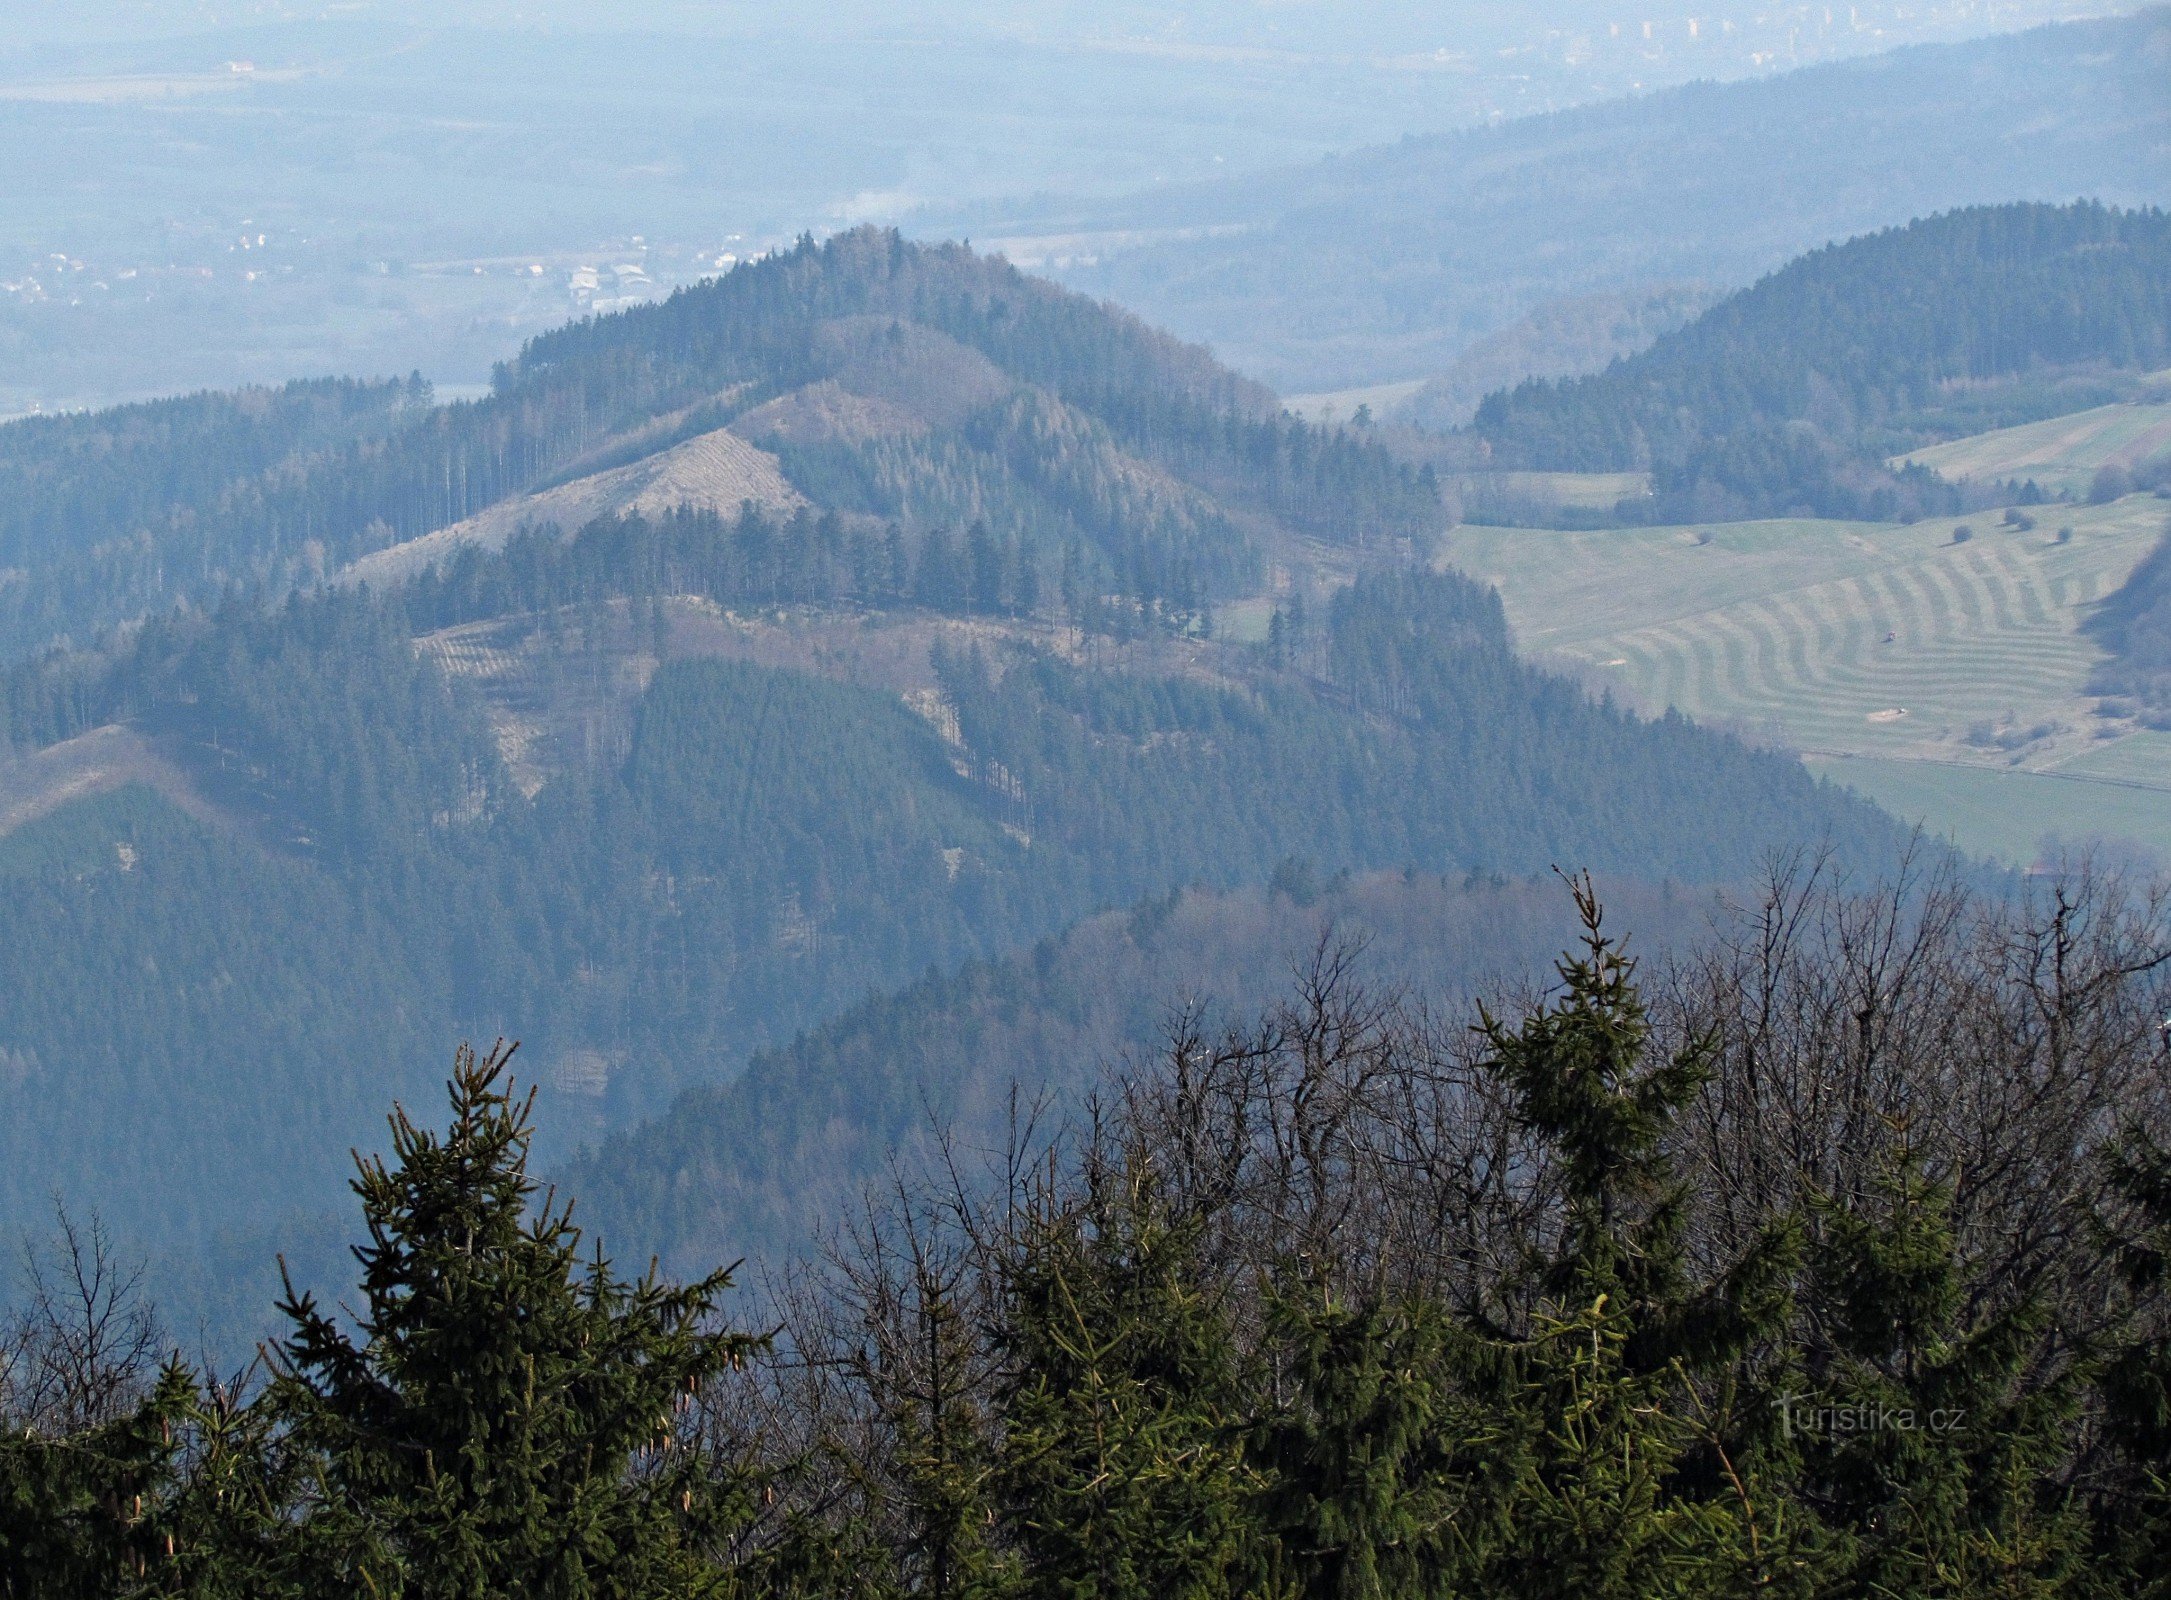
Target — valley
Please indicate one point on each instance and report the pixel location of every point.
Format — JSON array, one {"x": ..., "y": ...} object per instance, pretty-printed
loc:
[
  {"x": 1503, "y": 932},
  {"x": 736, "y": 662}
]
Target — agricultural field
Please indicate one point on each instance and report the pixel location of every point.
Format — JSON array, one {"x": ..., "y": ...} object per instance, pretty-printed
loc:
[
  {"x": 2062, "y": 454},
  {"x": 1340, "y": 405},
  {"x": 1944, "y": 676},
  {"x": 1573, "y": 491}
]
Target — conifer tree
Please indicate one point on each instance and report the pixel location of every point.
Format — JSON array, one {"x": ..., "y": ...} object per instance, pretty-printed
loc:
[
  {"x": 1582, "y": 1085},
  {"x": 509, "y": 1421},
  {"x": 1123, "y": 1474},
  {"x": 1610, "y": 1502},
  {"x": 944, "y": 1460},
  {"x": 1368, "y": 1466},
  {"x": 1926, "y": 1438},
  {"x": 83, "y": 1512},
  {"x": 1590, "y": 1518},
  {"x": 2134, "y": 1512}
]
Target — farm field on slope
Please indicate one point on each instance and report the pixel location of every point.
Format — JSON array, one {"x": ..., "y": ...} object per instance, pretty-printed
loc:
[
  {"x": 1945, "y": 679},
  {"x": 2062, "y": 454}
]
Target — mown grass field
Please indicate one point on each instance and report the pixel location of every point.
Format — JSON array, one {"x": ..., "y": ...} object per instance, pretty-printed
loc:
[
  {"x": 1946, "y": 677},
  {"x": 2011, "y": 814},
  {"x": 2062, "y": 454},
  {"x": 1340, "y": 405},
  {"x": 1579, "y": 491}
]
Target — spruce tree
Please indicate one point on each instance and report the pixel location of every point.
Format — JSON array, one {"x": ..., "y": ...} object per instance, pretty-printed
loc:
[
  {"x": 1583, "y": 1086},
  {"x": 506, "y": 1420},
  {"x": 1123, "y": 1476},
  {"x": 1927, "y": 1436},
  {"x": 944, "y": 1461},
  {"x": 1367, "y": 1490},
  {"x": 2134, "y": 1508},
  {"x": 1590, "y": 1519},
  {"x": 83, "y": 1513},
  {"x": 1633, "y": 1451}
]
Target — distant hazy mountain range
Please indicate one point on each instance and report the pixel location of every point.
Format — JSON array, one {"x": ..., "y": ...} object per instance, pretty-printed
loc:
[
  {"x": 254, "y": 194},
  {"x": 1386, "y": 264}
]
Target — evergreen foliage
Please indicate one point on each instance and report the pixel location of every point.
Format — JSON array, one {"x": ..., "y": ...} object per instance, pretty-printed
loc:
[
  {"x": 2134, "y": 625},
  {"x": 764, "y": 850},
  {"x": 1940, "y": 1465},
  {"x": 1122, "y": 1473},
  {"x": 1225, "y": 1335},
  {"x": 504, "y": 1419},
  {"x": 1076, "y": 433},
  {"x": 2137, "y": 1376},
  {"x": 1785, "y": 399},
  {"x": 107, "y": 515}
]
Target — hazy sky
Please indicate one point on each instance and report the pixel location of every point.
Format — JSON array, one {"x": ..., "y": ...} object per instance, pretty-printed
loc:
[{"x": 1391, "y": 25}]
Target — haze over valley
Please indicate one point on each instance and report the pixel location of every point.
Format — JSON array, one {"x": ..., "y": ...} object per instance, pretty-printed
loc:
[
  {"x": 1378, "y": 800},
  {"x": 257, "y": 193}
]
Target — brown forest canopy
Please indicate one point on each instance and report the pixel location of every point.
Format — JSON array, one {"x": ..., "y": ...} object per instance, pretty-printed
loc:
[{"x": 1827, "y": 1260}]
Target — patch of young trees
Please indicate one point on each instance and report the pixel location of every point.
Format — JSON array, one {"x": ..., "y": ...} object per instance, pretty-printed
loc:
[{"x": 1829, "y": 1261}]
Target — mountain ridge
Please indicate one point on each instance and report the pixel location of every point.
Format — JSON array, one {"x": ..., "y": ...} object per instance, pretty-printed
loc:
[{"x": 1385, "y": 264}]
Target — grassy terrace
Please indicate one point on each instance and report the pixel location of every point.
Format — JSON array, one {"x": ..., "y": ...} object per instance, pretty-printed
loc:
[{"x": 1943, "y": 677}]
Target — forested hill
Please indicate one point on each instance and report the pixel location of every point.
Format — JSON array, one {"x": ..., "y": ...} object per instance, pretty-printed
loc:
[
  {"x": 329, "y": 861},
  {"x": 869, "y": 610},
  {"x": 924, "y": 386},
  {"x": 2134, "y": 625},
  {"x": 1789, "y": 395},
  {"x": 765, "y": 1165},
  {"x": 103, "y": 514}
]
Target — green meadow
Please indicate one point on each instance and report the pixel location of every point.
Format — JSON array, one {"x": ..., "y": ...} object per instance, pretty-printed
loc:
[
  {"x": 2062, "y": 454},
  {"x": 1944, "y": 675}
]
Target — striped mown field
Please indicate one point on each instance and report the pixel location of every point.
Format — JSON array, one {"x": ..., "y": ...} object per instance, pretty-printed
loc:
[
  {"x": 1949, "y": 661},
  {"x": 2062, "y": 454}
]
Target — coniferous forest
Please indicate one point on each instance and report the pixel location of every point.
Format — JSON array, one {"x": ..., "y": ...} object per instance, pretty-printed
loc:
[
  {"x": 1787, "y": 398},
  {"x": 1019, "y": 872},
  {"x": 769, "y": 847},
  {"x": 661, "y": 789},
  {"x": 1827, "y": 1260}
]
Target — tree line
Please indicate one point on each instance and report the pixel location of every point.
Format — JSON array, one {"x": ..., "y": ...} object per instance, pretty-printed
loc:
[
  {"x": 2134, "y": 625},
  {"x": 1827, "y": 1261},
  {"x": 1786, "y": 399}
]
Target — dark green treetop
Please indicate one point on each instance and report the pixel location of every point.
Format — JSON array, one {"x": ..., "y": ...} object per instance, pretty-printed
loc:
[{"x": 511, "y": 1421}]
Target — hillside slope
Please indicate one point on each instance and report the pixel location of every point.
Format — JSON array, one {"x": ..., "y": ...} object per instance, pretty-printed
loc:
[
  {"x": 658, "y": 792},
  {"x": 768, "y": 1164},
  {"x": 1953, "y": 670},
  {"x": 1384, "y": 264},
  {"x": 2110, "y": 448},
  {"x": 2134, "y": 625},
  {"x": 753, "y": 849},
  {"x": 1111, "y": 451},
  {"x": 1563, "y": 338},
  {"x": 1785, "y": 399},
  {"x": 715, "y": 472}
]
